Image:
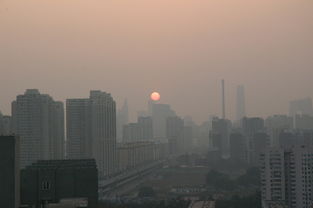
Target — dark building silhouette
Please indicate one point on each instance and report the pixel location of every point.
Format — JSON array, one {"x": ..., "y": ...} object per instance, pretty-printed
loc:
[
  {"x": 50, "y": 181},
  {"x": 9, "y": 172}
]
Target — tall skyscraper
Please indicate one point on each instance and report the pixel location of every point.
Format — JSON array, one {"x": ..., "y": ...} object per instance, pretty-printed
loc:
[
  {"x": 286, "y": 176},
  {"x": 9, "y": 172},
  {"x": 79, "y": 142},
  {"x": 241, "y": 106},
  {"x": 91, "y": 130},
  {"x": 39, "y": 122}
]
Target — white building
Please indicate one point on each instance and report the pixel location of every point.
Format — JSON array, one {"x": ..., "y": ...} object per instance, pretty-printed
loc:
[{"x": 286, "y": 176}]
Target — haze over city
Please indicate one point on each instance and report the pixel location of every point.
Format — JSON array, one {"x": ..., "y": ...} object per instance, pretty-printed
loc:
[{"x": 181, "y": 49}]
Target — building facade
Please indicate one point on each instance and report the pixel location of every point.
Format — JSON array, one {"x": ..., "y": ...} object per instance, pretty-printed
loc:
[
  {"x": 38, "y": 120},
  {"x": 91, "y": 130},
  {"x": 50, "y": 181},
  {"x": 286, "y": 176},
  {"x": 9, "y": 172}
]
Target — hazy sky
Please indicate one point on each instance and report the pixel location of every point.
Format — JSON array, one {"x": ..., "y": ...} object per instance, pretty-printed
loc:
[{"x": 181, "y": 48}]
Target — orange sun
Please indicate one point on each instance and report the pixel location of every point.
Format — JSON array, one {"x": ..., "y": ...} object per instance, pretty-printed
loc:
[{"x": 155, "y": 96}]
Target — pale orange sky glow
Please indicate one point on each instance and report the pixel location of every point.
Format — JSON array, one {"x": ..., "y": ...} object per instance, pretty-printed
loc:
[{"x": 181, "y": 48}]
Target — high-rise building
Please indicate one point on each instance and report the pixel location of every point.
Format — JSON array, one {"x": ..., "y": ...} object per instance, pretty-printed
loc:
[
  {"x": 301, "y": 106},
  {"x": 286, "y": 176},
  {"x": 187, "y": 139},
  {"x": 132, "y": 132},
  {"x": 174, "y": 134},
  {"x": 260, "y": 141},
  {"x": 9, "y": 172},
  {"x": 147, "y": 126},
  {"x": 252, "y": 125},
  {"x": 238, "y": 147},
  {"x": 160, "y": 113},
  {"x": 79, "y": 141},
  {"x": 241, "y": 106},
  {"x": 221, "y": 129},
  {"x": 121, "y": 120},
  {"x": 275, "y": 124},
  {"x": 303, "y": 122},
  {"x": 289, "y": 138},
  {"x": 39, "y": 122},
  {"x": 92, "y": 130}
]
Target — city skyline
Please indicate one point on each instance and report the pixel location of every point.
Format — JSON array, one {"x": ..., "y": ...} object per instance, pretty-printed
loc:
[{"x": 181, "y": 49}]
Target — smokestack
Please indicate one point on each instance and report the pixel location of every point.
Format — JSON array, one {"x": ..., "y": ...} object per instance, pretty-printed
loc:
[{"x": 223, "y": 99}]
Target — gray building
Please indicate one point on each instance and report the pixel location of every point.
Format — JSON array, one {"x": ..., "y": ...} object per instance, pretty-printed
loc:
[
  {"x": 301, "y": 106},
  {"x": 50, "y": 181},
  {"x": 174, "y": 134},
  {"x": 160, "y": 113},
  {"x": 9, "y": 172},
  {"x": 238, "y": 147},
  {"x": 121, "y": 120},
  {"x": 221, "y": 129},
  {"x": 91, "y": 130},
  {"x": 132, "y": 132},
  {"x": 39, "y": 122},
  {"x": 79, "y": 143},
  {"x": 147, "y": 124}
]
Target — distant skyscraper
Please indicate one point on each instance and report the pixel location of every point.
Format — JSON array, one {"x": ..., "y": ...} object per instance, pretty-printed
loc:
[
  {"x": 160, "y": 112},
  {"x": 92, "y": 130},
  {"x": 122, "y": 119},
  {"x": 39, "y": 122},
  {"x": 241, "y": 107},
  {"x": 302, "y": 106},
  {"x": 9, "y": 172}
]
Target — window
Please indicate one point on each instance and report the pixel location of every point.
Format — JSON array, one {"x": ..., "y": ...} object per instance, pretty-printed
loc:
[{"x": 45, "y": 185}]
